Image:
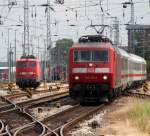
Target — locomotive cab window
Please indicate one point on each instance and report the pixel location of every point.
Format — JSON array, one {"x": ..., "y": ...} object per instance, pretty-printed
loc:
[
  {"x": 85, "y": 56},
  {"x": 32, "y": 64},
  {"x": 21, "y": 64},
  {"x": 100, "y": 56}
]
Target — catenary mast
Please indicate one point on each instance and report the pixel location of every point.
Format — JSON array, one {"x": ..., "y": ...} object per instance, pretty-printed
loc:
[{"x": 26, "y": 49}]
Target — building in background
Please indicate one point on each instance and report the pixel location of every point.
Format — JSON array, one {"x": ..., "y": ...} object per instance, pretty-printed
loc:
[
  {"x": 60, "y": 59},
  {"x": 4, "y": 72},
  {"x": 139, "y": 40}
]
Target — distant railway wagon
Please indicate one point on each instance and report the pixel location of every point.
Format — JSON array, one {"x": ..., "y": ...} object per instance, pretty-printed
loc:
[
  {"x": 97, "y": 68},
  {"x": 28, "y": 72},
  {"x": 3, "y": 73}
]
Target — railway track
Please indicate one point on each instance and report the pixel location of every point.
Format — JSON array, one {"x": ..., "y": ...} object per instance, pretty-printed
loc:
[
  {"x": 43, "y": 110},
  {"x": 21, "y": 94},
  {"x": 56, "y": 124},
  {"x": 137, "y": 95},
  {"x": 43, "y": 99},
  {"x": 6, "y": 106},
  {"x": 5, "y": 101},
  {"x": 63, "y": 131},
  {"x": 31, "y": 129},
  {"x": 11, "y": 106},
  {"x": 18, "y": 117},
  {"x": 14, "y": 119}
]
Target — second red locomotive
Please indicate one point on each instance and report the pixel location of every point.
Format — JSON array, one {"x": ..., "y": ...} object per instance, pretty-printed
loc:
[
  {"x": 97, "y": 68},
  {"x": 28, "y": 72}
]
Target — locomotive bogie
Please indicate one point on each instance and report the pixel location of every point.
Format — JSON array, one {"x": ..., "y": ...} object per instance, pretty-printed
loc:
[{"x": 27, "y": 83}]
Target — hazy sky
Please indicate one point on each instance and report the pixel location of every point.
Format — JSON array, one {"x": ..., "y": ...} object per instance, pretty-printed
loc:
[{"x": 67, "y": 21}]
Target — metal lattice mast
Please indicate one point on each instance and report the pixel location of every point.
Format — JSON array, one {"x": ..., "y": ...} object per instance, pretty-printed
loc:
[
  {"x": 26, "y": 50},
  {"x": 132, "y": 23},
  {"x": 116, "y": 35},
  {"x": 49, "y": 37},
  {"x": 132, "y": 12}
]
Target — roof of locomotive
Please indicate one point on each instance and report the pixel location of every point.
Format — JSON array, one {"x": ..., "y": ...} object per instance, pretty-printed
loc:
[
  {"x": 93, "y": 41},
  {"x": 93, "y": 45},
  {"x": 23, "y": 60}
]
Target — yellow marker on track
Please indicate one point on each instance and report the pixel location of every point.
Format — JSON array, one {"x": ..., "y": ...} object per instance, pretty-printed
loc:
[
  {"x": 29, "y": 93},
  {"x": 145, "y": 87},
  {"x": 10, "y": 86}
]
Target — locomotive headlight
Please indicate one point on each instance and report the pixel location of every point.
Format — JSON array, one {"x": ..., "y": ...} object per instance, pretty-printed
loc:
[
  {"x": 90, "y": 64},
  {"x": 76, "y": 78},
  {"x": 105, "y": 77}
]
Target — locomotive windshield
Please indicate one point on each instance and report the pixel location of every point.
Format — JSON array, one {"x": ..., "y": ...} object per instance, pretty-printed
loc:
[
  {"x": 21, "y": 64},
  {"x": 25, "y": 64},
  {"x": 83, "y": 56}
]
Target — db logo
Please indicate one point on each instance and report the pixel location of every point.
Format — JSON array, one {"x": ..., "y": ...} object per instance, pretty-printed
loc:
[{"x": 91, "y": 70}]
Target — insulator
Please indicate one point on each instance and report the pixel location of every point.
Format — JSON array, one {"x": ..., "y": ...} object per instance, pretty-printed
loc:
[
  {"x": 124, "y": 6},
  {"x": 59, "y": 1}
]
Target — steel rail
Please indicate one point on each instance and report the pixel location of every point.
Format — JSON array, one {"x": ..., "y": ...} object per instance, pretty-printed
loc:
[
  {"x": 21, "y": 94},
  {"x": 55, "y": 96},
  {"x": 48, "y": 118},
  {"x": 5, "y": 107},
  {"x": 17, "y": 107},
  {"x": 28, "y": 126},
  {"x": 70, "y": 124},
  {"x": 4, "y": 134},
  {"x": 139, "y": 95},
  {"x": 57, "y": 129},
  {"x": 5, "y": 100},
  {"x": 2, "y": 126},
  {"x": 43, "y": 99},
  {"x": 8, "y": 131}
]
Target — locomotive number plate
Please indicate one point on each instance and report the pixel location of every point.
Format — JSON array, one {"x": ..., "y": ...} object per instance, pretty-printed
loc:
[{"x": 90, "y": 70}]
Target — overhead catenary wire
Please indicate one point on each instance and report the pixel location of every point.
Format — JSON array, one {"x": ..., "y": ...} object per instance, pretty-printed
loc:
[{"x": 76, "y": 7}]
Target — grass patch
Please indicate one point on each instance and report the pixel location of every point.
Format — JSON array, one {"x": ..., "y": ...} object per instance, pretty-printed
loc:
[{"x": 139, "y": 114}]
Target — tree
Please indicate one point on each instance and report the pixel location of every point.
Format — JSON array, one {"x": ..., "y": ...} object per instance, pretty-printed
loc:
[
  {"x": 62, "y": 48},
  {"x": 148, "y": 69},
  {"x": 60, "y": 57}
]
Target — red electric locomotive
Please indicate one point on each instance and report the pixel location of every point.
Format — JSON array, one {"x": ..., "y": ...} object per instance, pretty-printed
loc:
[
  {"x": 28, "y": 72},
  {"x": 97, "y": 68}
]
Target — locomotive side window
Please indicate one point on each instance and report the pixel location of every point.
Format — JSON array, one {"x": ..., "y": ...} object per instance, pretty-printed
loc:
[
  {"x": 76, "y": 56},
  {"x": 99, "y": 55},
  {"x": 21, "y": 64}
]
